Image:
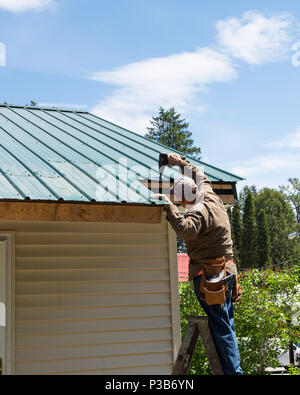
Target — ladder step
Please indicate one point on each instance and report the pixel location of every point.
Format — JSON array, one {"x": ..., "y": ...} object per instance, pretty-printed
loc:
[{"x": 197, "y": 326}]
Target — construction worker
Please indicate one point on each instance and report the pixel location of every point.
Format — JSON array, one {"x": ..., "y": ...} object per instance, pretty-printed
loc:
[{"x": 205, "y": 228}]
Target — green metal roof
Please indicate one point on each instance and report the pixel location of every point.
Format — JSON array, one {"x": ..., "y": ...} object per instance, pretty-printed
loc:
[{"x": 52, "y": 154}]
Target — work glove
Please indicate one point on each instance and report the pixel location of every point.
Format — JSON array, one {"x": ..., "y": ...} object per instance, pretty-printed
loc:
[{"x": 164, "y": 198}]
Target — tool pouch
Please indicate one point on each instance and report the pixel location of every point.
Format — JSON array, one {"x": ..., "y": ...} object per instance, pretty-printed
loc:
[
  {"x": 215, "y": 296},
  {"x": 212, "y": 289}
]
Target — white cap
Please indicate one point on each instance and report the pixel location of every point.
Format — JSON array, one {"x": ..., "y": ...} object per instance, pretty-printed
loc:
[{"x": 184, "y": 187}]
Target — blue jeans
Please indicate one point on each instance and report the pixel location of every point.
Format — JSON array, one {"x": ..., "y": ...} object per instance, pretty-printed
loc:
[{"x": 221, "y": 323}]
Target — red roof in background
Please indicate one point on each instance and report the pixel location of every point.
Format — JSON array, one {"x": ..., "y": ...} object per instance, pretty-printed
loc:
[{"x": 183, "y": 268}]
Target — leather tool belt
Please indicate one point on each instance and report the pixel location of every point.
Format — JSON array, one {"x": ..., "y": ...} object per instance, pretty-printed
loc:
[{"x": 214, "y": 283}]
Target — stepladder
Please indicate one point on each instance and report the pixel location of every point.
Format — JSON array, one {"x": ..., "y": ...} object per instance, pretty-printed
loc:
[{"x": 197, "y": 326}]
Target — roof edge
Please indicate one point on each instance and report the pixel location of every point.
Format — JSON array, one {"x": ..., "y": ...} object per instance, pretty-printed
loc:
[
  {"x": 45, "y": 108},
  {"x": 83, "y": 202}
]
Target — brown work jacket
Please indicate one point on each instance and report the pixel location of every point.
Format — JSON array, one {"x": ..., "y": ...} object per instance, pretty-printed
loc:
[{"x": 205, "y": 228}]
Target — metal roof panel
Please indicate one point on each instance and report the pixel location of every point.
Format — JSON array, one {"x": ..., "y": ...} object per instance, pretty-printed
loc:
[{"x": 48, "y": 154}]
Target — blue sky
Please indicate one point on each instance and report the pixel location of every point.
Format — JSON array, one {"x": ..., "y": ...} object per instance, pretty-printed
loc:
[{"x": 232, "y": 69}]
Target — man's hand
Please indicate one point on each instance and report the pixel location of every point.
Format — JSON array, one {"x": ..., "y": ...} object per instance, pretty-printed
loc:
[
  {"x": 175, "y": 160},
  {"x": 159, "y": 196}
]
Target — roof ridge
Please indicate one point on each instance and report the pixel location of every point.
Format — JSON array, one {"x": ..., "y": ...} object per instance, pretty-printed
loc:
[{"x": 43, "y": 108}]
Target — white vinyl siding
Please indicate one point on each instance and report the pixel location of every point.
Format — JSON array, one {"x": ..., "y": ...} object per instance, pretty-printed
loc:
[{"x": 92, "y": 298}]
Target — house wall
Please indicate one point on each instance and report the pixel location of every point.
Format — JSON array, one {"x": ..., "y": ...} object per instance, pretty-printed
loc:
[{"x": 94, "y": 298}]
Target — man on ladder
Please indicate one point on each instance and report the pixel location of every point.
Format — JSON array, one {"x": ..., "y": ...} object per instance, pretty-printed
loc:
[{"x": 205, "y": 228}]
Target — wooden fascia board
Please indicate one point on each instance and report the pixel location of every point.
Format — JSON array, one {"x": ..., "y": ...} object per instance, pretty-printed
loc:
[{"x": 81, "y": 212}]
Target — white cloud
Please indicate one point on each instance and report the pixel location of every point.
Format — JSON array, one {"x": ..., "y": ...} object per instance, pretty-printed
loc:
[
  {"x": 176, "y": 80},
  {"x": 266, "y": 164},
  {"x": 279, "y": 161},
  {"x": 24, "y": 5},
  {"x": 291, "y": 140},
  {"x": 168, "y": 81},
  {"x": 256, "y": 39}
]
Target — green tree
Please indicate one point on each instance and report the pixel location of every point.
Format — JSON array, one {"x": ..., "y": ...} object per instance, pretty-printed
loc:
[
  {"x": 263, "y": 240},
  {"x": 229, "y": 213},
  {"x": 281, "y": 222},
  {"x": 169, "y": 129},
  {"x": 244, "y": 193},
  {"x": 236, "y": 230},
  {"x": 248, "y": 250},
  {"x": 292, "y": 193},
  {"x": 265, "y": 319}
]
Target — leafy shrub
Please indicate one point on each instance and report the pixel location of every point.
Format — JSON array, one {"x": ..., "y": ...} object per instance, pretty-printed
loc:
[{"x": 263, "y": 319}]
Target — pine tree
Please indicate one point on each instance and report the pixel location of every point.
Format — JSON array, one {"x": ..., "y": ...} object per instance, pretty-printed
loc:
[
  {"x": 248, "y": 250},
  {"x": 235, "y": 252},
  {"x": 281, "y": 221},
  {"x": 244, "y": 194},
  {"x": 229, "y": 213},
  {"x": 292, "y": 194},
  {"x": 263, "y": 240},
  {"x": 169, "y": 129},
  {"x": 236, "y": 232}
]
